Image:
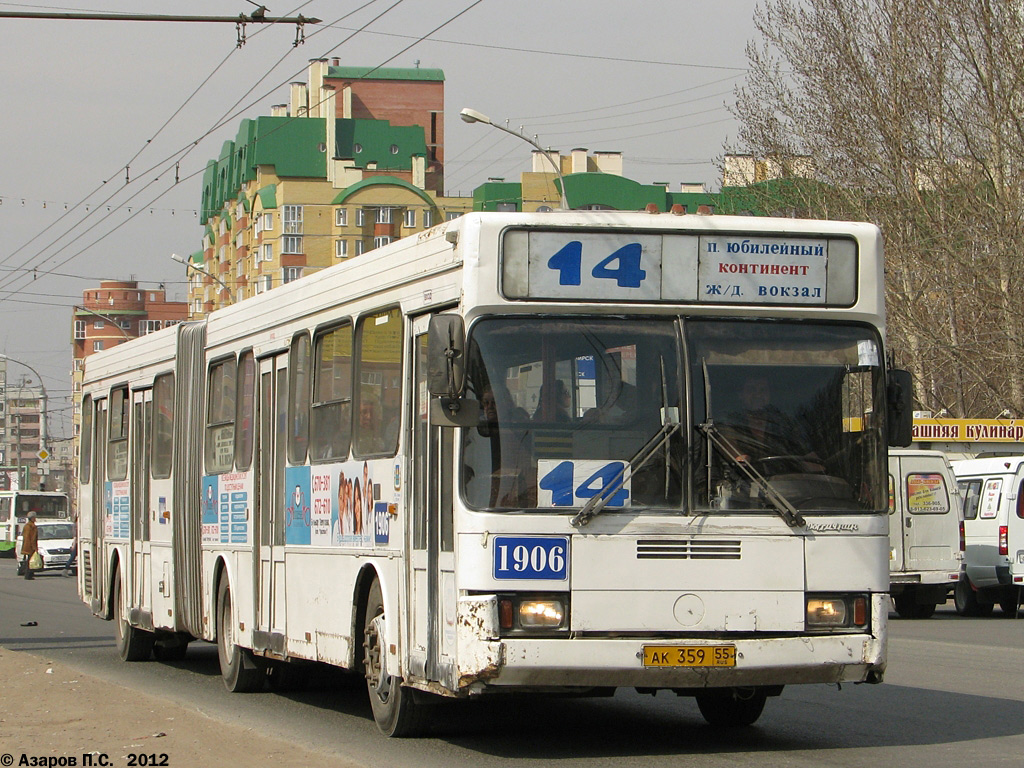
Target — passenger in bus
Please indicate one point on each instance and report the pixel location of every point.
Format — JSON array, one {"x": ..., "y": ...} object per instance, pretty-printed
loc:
[
  {"x": 497, "y": 454},
  {"x": 555, "y": 403},
  {"x": 371, "y": 435},
  {"x": 618, "y": 407}
]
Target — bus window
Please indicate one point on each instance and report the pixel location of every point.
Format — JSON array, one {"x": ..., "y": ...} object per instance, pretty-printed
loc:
[
  {"x": 244, "y": 429},
  {"x": 379, "y": 373},
  {"x": 298, "y": 403},
  {"x": 331, "y": 419},
  {"x": 5, "y": 509},
  {"x": 561, "y": 416},
  {"x": 220, "y": 418},
  {"x": 163, "y": 425},
  {"x": 85, "y": 442},
  {"x": 117, "y": 454}
]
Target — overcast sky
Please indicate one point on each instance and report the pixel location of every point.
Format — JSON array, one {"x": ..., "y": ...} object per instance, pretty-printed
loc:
[{"x": 83, "y": 99}]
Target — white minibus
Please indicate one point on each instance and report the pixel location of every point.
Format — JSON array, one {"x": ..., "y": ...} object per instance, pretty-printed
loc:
[{"x": 925, "y": 531}]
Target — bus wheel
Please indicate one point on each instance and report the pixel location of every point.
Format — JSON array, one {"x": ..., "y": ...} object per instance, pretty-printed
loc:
[
  {"x": 395, "y": 709},
  {"x": 732, "y": 707},
  {"x": 966, "y": 602},
  {"x": 133, "y": 644},
  {"x": 239, "y": 668}
]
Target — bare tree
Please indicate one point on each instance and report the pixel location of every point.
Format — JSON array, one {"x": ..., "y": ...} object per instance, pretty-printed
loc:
[{"x": 908, "y": 113}]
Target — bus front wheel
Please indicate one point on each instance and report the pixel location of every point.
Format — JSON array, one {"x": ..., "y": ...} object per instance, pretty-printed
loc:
[
  {"x": 239, "y": 668},
  {"x": 133, "y": 644},
  {"x": 732, "y": 707},
  {"x": 395, "y": 708}
]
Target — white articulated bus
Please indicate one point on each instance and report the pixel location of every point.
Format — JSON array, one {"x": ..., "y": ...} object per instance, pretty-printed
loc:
[{"x": 564, "y": 451}]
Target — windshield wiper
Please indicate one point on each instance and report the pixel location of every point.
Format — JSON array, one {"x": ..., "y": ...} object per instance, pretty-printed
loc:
[
  {"x": 779, "y": 503},
  {"x": 597, "y": 502}
]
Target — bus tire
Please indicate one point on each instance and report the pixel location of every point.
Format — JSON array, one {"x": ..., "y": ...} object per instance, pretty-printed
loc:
[
  {"x": 396, "y": 710},
  {"x": 732, "y": 707},
  {"x": 133, "y": 644},
  {"x": 241, "y": 672}
]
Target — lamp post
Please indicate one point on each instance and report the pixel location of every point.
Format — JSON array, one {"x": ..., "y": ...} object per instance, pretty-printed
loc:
[
  {"x": 472, "y": 116},
  {"x": 189, "y": 265},
  {"x": 42, "y": 410}
]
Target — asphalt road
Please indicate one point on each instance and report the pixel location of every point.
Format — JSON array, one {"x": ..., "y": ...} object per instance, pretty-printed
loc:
[{"x": 953, "y": 696}]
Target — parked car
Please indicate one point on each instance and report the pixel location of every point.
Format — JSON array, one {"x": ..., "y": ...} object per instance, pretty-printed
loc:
[
  {"x": 993, "y": 493},
  {"x": 56, "y": 540},
  {"x": 926, "y": 531}
]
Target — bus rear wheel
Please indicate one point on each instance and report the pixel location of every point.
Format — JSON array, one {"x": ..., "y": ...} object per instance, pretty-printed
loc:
[
  {"x": 395, "y": 708},
  {"x": 239, "y": 668},
  {"x": 732, "y": 707},
  {"x": 133, "y": 644}
]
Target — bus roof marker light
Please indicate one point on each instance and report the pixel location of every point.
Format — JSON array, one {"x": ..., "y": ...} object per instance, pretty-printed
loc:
[{"x": 472, "y": 116}]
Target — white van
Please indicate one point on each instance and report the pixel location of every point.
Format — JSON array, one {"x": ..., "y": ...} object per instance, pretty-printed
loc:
[
  {"x": 926, "y": 545},
  {"x": 994, "y": 525}
]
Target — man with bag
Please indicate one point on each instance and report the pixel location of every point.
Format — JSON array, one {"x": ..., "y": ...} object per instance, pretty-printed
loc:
[{"x": 29, "y": 544}]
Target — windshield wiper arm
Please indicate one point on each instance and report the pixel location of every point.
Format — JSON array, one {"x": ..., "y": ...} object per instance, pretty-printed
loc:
[
  {"x": 779, "y": 503},
  {"x": 600, "y": 500}
]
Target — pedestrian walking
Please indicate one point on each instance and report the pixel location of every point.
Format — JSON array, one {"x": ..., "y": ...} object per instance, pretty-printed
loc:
[
  {"x": 29, "y": 544},
  {"x": 74, "y": 550}
]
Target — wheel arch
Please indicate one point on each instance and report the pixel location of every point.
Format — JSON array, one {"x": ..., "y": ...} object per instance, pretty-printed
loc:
[
  {"x": 113, "y": 569},
  {"x": 361, "y": 591},
  {"x": 221, "y": 570}
]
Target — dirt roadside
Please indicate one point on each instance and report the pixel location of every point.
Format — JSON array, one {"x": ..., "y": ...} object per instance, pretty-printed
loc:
[{"x": 49, "y": 710}]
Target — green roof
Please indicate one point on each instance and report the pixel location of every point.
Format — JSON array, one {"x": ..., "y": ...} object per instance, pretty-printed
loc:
[
  {"x": 383, "y": 73},
  {"x": 294, "y": 146},
  {"x": 268, "y": 196},
  {"x": 387, "y": 181},
  {"x": 196, "y": 258},
  {"x": 391, "y": 147}
]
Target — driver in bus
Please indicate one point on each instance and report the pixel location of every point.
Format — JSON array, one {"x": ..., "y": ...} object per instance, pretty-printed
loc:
[{"x": 760, "y": 431}]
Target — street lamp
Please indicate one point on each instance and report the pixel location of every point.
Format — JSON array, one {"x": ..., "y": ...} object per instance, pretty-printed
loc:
[
  {"x": 42, "y": 411},
  {"x": 189, "y": 265},
  {"x": 472, "y": 116}
]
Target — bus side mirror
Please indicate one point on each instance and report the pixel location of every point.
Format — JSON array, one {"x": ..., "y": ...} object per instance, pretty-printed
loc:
[
  {"x": 446, "y": 373},
  {"x": 899, "y": 400}
]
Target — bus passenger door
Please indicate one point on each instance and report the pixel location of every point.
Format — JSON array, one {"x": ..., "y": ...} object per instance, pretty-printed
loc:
[
  {"x": 269, "y": 533},
  {"x": 432, "y": 593},
  {"x": 97, "y": 559},
  {"x": 142, "y": 419}
]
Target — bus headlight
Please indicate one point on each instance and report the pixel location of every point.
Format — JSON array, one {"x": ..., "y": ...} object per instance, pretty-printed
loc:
[
  {"x": 827, "y": 612},
  {"x": 530, "y": 614},
  {"x": 535, "y": 614}
]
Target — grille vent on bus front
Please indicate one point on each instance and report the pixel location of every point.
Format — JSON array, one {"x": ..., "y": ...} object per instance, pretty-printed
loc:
[{"x": 694, "y": 549}]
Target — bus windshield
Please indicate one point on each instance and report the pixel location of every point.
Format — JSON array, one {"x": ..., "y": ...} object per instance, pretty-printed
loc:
[
  {"x": 567, "y": 403},
  {"x": 795, "y": 405}
]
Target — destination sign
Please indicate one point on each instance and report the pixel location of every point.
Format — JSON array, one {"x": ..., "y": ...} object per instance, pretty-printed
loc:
[{"x": 680, "y": 268}]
